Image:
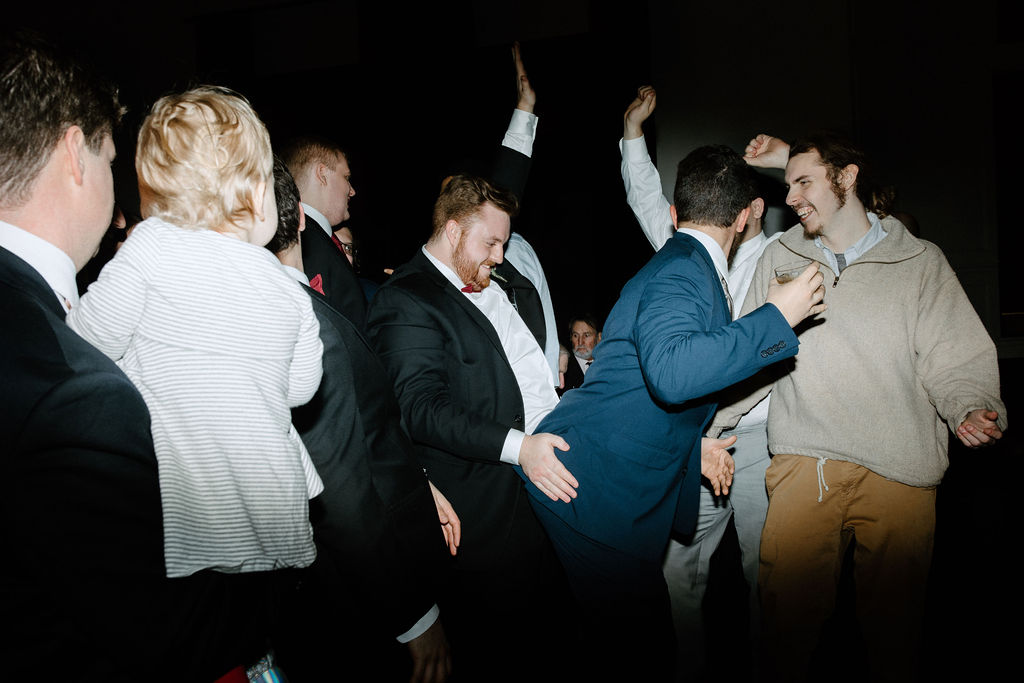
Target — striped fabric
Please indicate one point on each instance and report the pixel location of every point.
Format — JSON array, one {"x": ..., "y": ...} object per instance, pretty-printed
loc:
[{"x": 221, "y": 342}]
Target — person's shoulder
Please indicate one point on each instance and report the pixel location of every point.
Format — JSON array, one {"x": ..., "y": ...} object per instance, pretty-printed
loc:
[{"x": 29, "y": 325}]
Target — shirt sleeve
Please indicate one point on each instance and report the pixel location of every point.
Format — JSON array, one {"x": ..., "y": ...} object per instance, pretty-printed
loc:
[
  {"x": 643, "y": 192},
  {"x": 513, "y": 443},
  {"x": 108, "y": 315},
  {"x": 956, "y": 358},
  {"x": 421, "y": 626},
  {"x": 522, "y": 130}
]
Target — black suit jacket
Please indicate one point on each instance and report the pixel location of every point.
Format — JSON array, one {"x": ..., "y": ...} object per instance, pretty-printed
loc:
[
  {"x": 459, "y": 397},
  {"x": 83, "y": 585},
  {"x": 375, "y": 520},
  {"x": 379, "y": 546},
  {"x": 320, "y": 256},
  {"x": 573, "y": 374}
]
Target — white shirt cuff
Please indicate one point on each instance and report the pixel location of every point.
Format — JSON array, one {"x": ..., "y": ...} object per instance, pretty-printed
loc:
[
  {"x": 513, "y": 442},
  {"x": 421, "y": 626},
  {"x": 522, "y": 130},
  {"x": 635, "y": 149}
]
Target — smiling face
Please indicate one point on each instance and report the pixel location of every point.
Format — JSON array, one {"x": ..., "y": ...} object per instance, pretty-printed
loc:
[
  {"x": 812, "y": 193},
  {"x": 479, "y": 245}
]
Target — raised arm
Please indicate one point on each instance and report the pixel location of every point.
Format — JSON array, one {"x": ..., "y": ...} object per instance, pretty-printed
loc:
[
  {"x": 764, "y": 151},
  {"x": 639, "y": 175},
  {"x": 512, "y": 162}
]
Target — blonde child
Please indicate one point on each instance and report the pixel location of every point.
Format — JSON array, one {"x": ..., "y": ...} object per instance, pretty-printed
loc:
[{"x": 217, "y": 338}]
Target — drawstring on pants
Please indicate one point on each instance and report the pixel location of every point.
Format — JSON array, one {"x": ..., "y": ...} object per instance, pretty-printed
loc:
[{"x": 821, "y": 477}]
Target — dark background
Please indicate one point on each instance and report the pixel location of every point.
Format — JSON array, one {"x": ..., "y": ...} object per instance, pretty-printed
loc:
[{"x": 411, "y": 93}]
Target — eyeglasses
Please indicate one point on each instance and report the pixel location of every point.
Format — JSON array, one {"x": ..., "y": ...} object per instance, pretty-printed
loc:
[{"x": 349, "y": 248}]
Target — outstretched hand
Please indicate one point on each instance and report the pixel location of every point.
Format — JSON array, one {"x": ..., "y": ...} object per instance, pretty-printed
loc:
[
  {"x": 716, "y": 464},
  {"x": 979, "y": 428},
  {"x": 799, "y": 298},
  {"x": 764, "y": 151},
  {"x": 451, "y": 526},
  {"x": 544, "y": 469},
  {"x": 638, "y": 111},
  {"x": 527, "y": 98}
]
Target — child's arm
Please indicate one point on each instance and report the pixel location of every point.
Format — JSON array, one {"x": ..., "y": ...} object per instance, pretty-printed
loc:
[
  {"x": 307, "y": 368},
  {"x": 109, "y": 313}
]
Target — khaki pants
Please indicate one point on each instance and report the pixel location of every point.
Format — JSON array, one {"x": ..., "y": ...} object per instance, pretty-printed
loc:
[{"x": 802, "y": 548}]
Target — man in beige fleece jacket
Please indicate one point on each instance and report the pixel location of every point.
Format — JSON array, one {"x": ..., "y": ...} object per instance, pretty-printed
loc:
[{"x": 857, "y": 426}]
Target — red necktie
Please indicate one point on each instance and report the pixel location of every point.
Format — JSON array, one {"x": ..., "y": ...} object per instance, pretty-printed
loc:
[
  {"x": 468, "y": 289},
  {"x": 337, "y": 243},
  {"x": 317, "y": 283}
]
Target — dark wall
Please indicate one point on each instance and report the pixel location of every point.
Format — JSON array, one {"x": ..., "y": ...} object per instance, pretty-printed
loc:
[{"x": 413, "y": 94}]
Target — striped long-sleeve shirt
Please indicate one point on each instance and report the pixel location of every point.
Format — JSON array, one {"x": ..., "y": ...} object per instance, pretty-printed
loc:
[{"x": 221, "y": 342}]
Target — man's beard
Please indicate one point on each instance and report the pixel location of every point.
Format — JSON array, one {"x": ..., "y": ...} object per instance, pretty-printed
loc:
[
  {"x": 584, "y": 353},
  {"x": 469, "y": 272}
]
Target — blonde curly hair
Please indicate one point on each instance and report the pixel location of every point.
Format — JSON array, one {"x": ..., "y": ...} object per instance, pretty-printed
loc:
[{"x": 200, "y": 156}]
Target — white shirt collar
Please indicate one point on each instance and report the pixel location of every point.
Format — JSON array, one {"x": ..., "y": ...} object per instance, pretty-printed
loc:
[
  {"x": 296, "y": 274},
  {"x": 318, "y": 217},
  {"x": 873, "y": 236},
  {"x": 713, "y": 248},
  {"x": 55, "y": 266},
  {"x": 749, "y": 247}
]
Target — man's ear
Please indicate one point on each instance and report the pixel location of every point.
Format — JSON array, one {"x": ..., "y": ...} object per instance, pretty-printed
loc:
[
  {"x": 320, "y": 173},
  {"x": 675, "y": 218},
  {"x": 302, "y": 218},
  {"x": 848, "y": 177},
  {"x": 72, "y": 146},
  {"x": 453, "y": 231},
  {"x": 598, "y": 336},
  {"x": 757, "y": 208},
  {"x": 740, "y": 223}
]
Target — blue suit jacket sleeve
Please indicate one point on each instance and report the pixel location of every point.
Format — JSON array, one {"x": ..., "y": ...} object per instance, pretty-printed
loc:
[{"x": 683, "y": 355}]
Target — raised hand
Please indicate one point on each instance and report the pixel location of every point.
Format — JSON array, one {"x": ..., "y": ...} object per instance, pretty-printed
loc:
[
  {"x": 765, "y": 151},
  {"x": 527, "y": 98},
  {"x": 639, "y": 111}
]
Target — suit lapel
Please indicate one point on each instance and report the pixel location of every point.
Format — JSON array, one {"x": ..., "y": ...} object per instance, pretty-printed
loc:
[
  {"x": 481, "y": 321},
  {"x": 324, "y": 303}
]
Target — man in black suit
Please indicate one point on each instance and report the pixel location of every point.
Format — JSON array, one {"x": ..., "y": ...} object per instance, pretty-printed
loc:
[
  {"x": 321, "y": 172},
  {"x": 82, "y": 584},
  {"x": 373, "y": 584},
  {"x": 584, "y": 334},
  {"x": 472, "y": 383}
]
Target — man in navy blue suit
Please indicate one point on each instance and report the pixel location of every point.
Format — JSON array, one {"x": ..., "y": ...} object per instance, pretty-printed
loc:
[{"x": 635, "y": 427}]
